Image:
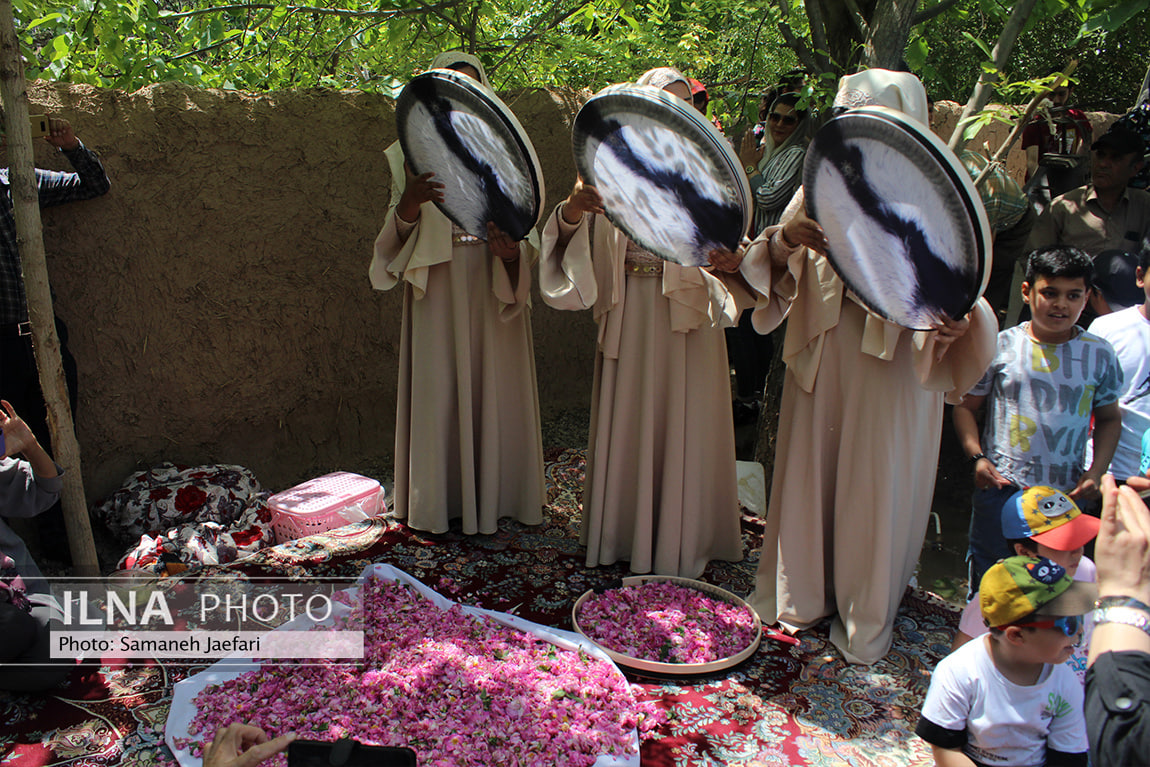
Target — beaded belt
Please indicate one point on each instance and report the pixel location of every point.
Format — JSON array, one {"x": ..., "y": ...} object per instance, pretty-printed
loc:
[
  {"x": 463, "y": 238},
  {"x": 643, "y": 268}
]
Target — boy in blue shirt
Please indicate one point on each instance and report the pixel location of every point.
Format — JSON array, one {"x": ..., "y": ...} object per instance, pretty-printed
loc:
[{"x": 1048, "y": 380}]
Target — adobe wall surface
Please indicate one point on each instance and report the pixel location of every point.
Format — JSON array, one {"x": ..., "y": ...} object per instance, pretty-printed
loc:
[{"x": 218, "y": 298}]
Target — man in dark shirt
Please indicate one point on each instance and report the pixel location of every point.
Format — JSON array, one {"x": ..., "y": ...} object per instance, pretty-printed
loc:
[{"x": 19, "y": 380}]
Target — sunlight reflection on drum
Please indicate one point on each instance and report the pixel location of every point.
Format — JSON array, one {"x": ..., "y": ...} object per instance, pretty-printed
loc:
[
  {"x": 458, "y": 129},
  {"x": 668, "y": 179},
  {"x": 906, "y": 229}
]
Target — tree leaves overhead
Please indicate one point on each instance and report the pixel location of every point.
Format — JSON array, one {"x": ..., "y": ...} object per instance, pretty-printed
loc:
[{"x": 738, "y": 48}]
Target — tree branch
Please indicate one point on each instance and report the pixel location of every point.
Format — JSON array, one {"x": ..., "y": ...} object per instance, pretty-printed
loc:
[
  {"x": 536, "y": 32},
  {"x": 937, "y": 9},
  {"x": 395, "y": 13},
  {"x": 999, "y": 54},
  {"x": 818, "y": 35},
  {"x": 857, "y": 17}
]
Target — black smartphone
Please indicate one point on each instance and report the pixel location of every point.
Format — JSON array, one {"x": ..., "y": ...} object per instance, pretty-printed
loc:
[{"x": 347, "y": 753}]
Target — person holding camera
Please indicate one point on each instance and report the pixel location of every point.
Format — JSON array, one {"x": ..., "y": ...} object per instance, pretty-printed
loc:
[
  {"x": 1118, "y": 680},
  {"x": 19, "y": 378}
]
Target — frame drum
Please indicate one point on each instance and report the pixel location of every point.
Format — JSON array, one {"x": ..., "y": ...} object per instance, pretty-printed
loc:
[
  {"x": 457, "y": 128},
  {"x": 907, "y": 230},
  {"x": 669, "y": 180}
]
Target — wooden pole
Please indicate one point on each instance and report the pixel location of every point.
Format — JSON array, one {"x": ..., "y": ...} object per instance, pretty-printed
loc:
[{"x": 30, "y": 240}]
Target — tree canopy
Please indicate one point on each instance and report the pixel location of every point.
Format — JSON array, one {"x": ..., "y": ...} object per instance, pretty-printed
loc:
[{"x": 737, "y": 48}]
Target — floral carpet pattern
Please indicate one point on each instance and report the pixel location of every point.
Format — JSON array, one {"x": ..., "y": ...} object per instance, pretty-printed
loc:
[{"x": 785, "y": 705}]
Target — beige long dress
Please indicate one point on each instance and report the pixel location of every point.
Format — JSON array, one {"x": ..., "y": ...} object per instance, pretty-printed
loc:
[
  {"x": 661, "y": 489},
  {"x": 467, "y": 439},
  {"x": 858, "y": 442}
]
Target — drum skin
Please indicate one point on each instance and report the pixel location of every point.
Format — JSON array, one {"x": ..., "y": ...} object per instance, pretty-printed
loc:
[
  {"x": 457, "y": 128},
  {"x": 906, "y": 229},
  {"x": 669, "y": 180}
]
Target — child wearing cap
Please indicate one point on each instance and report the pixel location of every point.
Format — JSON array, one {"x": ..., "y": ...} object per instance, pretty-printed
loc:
[
  {"x": 1008, "y": 698},
  {"x": 1042, "y": 522},
  {"x": 1048, "y": 380}
]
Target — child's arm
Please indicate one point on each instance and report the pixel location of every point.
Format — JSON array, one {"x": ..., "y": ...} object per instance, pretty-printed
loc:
[
  {"x": 950, "y": 757},
  {"x": 1107, "y": 428},
  {"x": 965, "y": 419}
]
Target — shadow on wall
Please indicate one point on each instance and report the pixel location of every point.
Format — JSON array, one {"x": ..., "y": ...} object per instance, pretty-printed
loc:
[{"x": 217, "y": 297}]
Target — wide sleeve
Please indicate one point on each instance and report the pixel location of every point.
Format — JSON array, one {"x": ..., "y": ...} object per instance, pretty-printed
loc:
[
  {"x": 964, "y": 362},
  {"x": 566, "y": 271},
  {"x": 775, "y": 286},
  {"x": 22, "y": 493},
  {"x": 405, "y": 251},
  {"x": 514, "y": 294}
]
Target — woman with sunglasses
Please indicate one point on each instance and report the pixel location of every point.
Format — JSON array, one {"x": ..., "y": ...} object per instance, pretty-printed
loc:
[{"x": 775, "y": 166}]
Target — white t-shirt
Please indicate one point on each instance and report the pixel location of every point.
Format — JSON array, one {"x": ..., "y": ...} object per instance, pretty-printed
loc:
[
  {"x": 1006, "y": 724},
  {"x": 1129, "y": 333},
  {"x": 973, "y": 626}
]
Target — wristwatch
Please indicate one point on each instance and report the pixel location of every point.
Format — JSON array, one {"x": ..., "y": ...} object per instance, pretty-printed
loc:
[
  {"x": 1131, "y": 616},
  {"x": 976, "y": 458},
  {"x": 752, "y": 170}
]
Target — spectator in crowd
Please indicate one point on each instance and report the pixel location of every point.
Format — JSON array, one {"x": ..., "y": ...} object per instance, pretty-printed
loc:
[
  {"x": 1104, "y": 214},
  {"x": 1007, "y": 698},
  {"x": 1118, "y": 681},
  {"x": 1033, "y": 436},
  {"x": 1055, "y": 141},
  {"x": 1127, "y": 329},
  {"x": 19, "y": 377}
]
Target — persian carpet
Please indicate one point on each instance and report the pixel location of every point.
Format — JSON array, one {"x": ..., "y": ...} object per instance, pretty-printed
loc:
[{"x": 784, "y": 706}]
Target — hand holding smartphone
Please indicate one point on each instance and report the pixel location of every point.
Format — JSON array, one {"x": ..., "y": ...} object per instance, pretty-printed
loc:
[{"x": 347, "y": 753}]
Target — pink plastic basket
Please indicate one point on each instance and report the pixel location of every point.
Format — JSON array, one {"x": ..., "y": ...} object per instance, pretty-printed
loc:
[{"x": 323, "y": 504}]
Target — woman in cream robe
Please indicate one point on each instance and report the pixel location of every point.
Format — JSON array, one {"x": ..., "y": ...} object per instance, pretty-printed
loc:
[
  {"x": 859, "y": 427},
  {"x": 467, "y": 439},
  {"x": 661, "y": 489}
]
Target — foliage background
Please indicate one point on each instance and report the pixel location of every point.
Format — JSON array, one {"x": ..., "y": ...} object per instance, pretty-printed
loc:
[{"x": 737, "y": 48}]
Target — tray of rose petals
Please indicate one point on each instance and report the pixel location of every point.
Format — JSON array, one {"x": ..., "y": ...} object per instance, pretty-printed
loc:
[
  {"x": 459, "y": 684},
  {"x": 669, "y": 625}
]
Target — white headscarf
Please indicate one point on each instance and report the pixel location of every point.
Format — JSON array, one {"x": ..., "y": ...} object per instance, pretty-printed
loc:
[
  {"x": 661, "y": 77},
  {"x": 452, "y": 59},
  {"x": 882, "y": 87}
]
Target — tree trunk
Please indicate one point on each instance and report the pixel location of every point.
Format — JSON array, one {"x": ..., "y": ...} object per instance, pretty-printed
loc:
[
  {"x": 29, "y": 239},
  {"x": 766, "y": 441},
  {"x": 889, "y": 29}
]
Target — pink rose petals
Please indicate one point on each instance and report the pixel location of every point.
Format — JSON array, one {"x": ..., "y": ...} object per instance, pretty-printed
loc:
[
  {"x": 457, "y": 689},
  {"x": 666, "y": 623}
]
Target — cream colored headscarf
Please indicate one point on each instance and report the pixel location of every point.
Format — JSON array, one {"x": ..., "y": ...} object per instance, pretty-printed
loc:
[
  {"x": 451, "y": 59},
  {"x": 661, "y": 77},
  {"x": 882, "y": 87}
]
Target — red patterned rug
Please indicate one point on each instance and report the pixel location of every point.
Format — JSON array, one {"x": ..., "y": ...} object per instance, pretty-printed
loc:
[{"x": 784, "y": 706}]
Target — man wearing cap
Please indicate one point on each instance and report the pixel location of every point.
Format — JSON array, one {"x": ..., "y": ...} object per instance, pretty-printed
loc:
[
  {"x": 1104, "y": 214},
  {"x": 1042, "y": 522},
  {"x": 1008, "y": 698},
  {"x": 1127, "y": 329}
]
